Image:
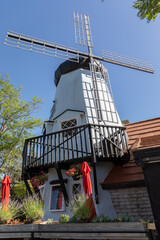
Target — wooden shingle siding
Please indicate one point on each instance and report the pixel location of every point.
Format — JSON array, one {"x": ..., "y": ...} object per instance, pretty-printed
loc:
[{"x": 136, "y": 202}]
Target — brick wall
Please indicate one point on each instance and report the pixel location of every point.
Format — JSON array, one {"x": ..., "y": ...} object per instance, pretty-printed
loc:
[{"x": 133, "y": 202}]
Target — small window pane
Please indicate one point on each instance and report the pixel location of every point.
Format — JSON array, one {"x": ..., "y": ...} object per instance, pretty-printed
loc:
[
  {"x": 76, "y": 189},
  {"x": 69, "y": 123},
  {"x": 56, "y": 198}
]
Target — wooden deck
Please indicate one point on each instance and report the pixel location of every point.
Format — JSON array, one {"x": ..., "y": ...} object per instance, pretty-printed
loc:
[
  {"x": 86, "y": 142},
  {"x": 84, "y": 231},
  {"x": 91, "y": 143}
]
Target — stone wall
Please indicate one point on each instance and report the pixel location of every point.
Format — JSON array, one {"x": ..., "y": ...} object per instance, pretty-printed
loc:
[{"x": 133, "y": 202}]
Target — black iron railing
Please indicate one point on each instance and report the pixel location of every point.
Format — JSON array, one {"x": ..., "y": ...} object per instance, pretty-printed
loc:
[{"x": 91, "y": 140}]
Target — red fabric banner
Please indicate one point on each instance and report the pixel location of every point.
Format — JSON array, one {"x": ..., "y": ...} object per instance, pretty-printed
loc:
[
  {"x": 5, "y": 190},
  {"x": 85, "y": 169}
]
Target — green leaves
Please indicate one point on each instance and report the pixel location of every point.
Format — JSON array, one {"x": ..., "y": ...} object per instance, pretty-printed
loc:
[
  {"x": 16, "y": 124},
  {"x": 148, "y": 9}
]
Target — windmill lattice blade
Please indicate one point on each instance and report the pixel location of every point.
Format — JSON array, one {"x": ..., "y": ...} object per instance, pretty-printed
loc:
[
  {"x": 41, "y": 46},
  {"x": 83, "y": 34},
  {"x": 127, "y": 61}
]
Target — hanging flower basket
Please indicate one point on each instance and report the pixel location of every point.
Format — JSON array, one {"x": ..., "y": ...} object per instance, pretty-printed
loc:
[
  {"x": 75, "y": 178},
  {"x": 38, "y": 180},
  {"x": 75, "y": 173}
]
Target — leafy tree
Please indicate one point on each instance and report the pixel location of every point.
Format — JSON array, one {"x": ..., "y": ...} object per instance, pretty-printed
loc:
[
  {"x": 148, "y": 9},
  {"x": 19, "y": 191},
  {"x": 16, "y": 124}
]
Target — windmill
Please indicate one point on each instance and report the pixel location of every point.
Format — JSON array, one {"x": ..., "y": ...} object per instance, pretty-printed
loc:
[
  {"x": 83, "y": 37},
  {"x": 105, "y": 139}
]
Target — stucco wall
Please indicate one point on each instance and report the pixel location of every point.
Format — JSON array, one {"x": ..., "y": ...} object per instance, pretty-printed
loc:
[
  {"x": 133, "y": 202},
  {"x": 105, "y": 205}
]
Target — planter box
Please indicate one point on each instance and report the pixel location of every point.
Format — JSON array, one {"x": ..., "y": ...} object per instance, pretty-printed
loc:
[{"x": 107, "y": 231}]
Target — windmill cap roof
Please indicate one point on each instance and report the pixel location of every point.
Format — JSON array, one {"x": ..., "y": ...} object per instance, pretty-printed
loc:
[{"x": 69, "y": 66}]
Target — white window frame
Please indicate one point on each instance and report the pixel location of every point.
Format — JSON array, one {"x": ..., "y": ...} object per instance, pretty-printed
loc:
[
  {"x": 67, "y": 119},
  {"x": 71, "y": 187},
  {"x": 63, "y": 203},
  {"x": 41, "y": 187}
]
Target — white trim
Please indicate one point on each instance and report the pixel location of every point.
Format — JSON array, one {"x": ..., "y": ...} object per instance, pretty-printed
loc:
[
  {"x": 40, "y": 187},
  {"x": 71, "y": 186},
  {"x": 67, "y": 119},
  {"x": 63, "y": 204}
]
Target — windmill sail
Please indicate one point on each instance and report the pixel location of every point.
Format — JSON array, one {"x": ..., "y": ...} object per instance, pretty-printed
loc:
[
  {"x": 127, "y": 61},
  {"x": 83, "y": 34},
  {"x": 41, "y": 46}
]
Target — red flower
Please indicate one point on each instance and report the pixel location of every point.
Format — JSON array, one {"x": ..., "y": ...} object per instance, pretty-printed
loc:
[{"x": 38, "y": 180}]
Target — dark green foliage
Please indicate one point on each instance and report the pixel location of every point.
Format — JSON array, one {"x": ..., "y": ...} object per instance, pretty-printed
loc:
[
  {"x": 120, "y": 218},
  {"x": 73, "y": 219},
  {"x": 101, "y": 218},
  {"x": 19, "y": 192},
  {"x": 124, "y": 218},
  {"x": 148, "y": 9}
]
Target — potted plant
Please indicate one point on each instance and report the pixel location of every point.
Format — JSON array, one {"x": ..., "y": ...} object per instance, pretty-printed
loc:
[
  {"x": 75, "y": 173},
  {"x": 38, "y": 180}
]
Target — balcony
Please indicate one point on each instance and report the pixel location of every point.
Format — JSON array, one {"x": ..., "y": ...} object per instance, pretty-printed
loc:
[{"x": 91, "y": 143}]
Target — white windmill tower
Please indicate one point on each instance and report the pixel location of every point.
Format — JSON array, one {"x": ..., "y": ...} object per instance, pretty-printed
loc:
[{"x": 84, "y": 124}]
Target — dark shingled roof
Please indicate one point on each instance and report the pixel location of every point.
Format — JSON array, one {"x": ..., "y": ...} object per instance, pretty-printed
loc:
[{"x": 69, "y": 66}]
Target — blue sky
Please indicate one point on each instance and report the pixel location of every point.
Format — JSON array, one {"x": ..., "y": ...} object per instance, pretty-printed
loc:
[{"x": 115, "y": 27}]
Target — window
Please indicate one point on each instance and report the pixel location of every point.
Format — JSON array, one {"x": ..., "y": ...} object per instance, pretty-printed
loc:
[
  {"x": 68, "y": 124},
  {"x": 76, "y": 189},
  {"x": 57, "y": 199}
]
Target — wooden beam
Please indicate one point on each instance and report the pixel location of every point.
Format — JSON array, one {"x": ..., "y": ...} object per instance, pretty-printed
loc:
[
  {"x": 27, "y": 186},
  {"x": 58, "y": 182},
  {"x": 139, "y": 183},
  {"x": 95, "y": 182}
]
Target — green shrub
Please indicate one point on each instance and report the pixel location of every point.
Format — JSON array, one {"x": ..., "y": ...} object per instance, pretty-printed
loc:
[
  {"x": 64, "y": 218},
  {"x": 49, "y": 221},
  {"x": 33, "y": 208},
  {"x": 5, "y": 216},
  {"x": 120, "y": 218},
  {"x": 101, "y": 218},
  {"x": 73, "y": 219},
  {"x": 19, "y": 190},
  {"x": 124, "y": 218},
  {"x": 82, "y": 211},
  {"x": 11, "y": 212}
]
